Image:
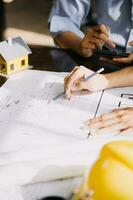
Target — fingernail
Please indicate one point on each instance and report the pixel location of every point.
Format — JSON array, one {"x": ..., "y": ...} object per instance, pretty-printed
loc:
[{"x": 113, "y": 45}]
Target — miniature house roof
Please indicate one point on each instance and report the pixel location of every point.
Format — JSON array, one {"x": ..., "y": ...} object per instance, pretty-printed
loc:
[{"x": 14, "y": 48}]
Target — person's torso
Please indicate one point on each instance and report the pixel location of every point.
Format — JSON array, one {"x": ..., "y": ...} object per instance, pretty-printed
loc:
[{"x": 117, "y": 15}]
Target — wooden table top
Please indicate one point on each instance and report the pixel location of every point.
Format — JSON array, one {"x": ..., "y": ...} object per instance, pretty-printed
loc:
[
  {"x": 56, "y": 59},
  {"x": 60, "y": 60}
]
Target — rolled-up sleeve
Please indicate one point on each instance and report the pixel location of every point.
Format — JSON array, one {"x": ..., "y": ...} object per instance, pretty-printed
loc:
[{"x": 68, "y": 15}]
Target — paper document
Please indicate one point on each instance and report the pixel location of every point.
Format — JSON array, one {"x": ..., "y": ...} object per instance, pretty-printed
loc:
[{"x": 41, "y": 141}]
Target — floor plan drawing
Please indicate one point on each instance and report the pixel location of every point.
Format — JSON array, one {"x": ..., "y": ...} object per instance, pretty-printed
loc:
[
  {"x": 126, "y": 100},
  {"x": 36, "y": 135}
]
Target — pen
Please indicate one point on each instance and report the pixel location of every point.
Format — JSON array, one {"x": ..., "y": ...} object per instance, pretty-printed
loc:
[{"x": 85, "y": 79}]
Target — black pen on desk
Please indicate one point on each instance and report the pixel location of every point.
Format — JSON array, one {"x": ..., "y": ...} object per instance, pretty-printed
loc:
[{"x": 85, "y": 79}]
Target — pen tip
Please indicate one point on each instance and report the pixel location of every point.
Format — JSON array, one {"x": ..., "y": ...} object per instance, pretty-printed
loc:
[{"x": 49, "y": 101}]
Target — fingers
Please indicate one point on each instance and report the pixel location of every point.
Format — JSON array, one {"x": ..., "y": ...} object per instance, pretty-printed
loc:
[
  {"x": 119, "y": 120},
  {"x": 106, "y": 40},
  {"x": 67, "y": 77},
  {"x": 104, "y": 121},
  {"x": 101, "y": 32},
  {"x": 96, "y": 42},
  {"x": 72, "y": 80},
  {"x": 87, "y": 47},
  {"x": 102, "y": 28},
  {"x": 128, "y": 130},
  {"x": 129, "y": 59},
  {"x": 131, "y": 43},
  {"x": 111, "y": 128},
  {"x": 96, "y": 37},
  {"x": 87, "y": 50},
  {"x": 104, "y": 117},
  {"x": 91, "y": 45},
  {"x": 121, "y": 60},
  {"x": 99, "y": 38},
  {"x": 81, "y": 86},
  {"x": 103, "y": 124},
  {"x": 68, "y": 81}
]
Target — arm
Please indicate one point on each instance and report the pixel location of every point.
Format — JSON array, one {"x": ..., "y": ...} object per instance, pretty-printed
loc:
[
  {"x": 119, "y": 120},
  {"x": 96, "y": 37},
  {"x": 64, "y": 24},
  {"x": 69, "y": 40},
  {"x": 74, "y": 80},
  {"x": 121, "y": 78},
  {"x": 68, "y": 16}
]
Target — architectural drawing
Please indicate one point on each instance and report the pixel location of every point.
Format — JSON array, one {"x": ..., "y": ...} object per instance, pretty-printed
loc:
[{"x": 39, "y": 138}]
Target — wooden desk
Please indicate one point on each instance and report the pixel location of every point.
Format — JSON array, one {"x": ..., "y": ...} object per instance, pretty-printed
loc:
[
  {"x": 55, "y": 59},
  {"x": 59, "y": 60},
  {"x": 45, "y": 58}
]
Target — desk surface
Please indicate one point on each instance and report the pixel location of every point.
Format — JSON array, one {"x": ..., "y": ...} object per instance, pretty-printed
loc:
[
  {"x": 60, "y": 60},
  {"x": 55, "y": 59}
]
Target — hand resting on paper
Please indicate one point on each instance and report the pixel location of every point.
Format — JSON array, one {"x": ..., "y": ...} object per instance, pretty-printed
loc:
[{"x": 119, "y": 120}]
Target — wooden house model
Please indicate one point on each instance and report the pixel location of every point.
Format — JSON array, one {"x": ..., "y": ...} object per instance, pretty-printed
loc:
[{"x": 13, "y": 56}]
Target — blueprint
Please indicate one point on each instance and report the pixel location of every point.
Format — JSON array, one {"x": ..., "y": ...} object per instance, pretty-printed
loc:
[{"x": 42, "y": 141}]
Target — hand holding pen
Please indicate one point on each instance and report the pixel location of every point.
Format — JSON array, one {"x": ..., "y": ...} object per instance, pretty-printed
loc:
[{"x": 82, "y": 78}]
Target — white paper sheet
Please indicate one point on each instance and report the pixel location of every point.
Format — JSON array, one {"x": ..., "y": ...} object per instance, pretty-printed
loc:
[
  {"x": 61, "y": 188},
  {"x": 41, "y": 141}
]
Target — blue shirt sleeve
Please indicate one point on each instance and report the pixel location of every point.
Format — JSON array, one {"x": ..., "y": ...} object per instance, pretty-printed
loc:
[{"x": 68, "y": 15}]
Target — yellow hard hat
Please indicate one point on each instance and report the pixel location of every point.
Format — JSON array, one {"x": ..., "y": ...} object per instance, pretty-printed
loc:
[{"x": 111, "y": 177}]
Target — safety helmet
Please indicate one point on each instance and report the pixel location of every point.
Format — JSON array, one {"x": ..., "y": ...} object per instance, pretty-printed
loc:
[{"x": 111, "y": 176}]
